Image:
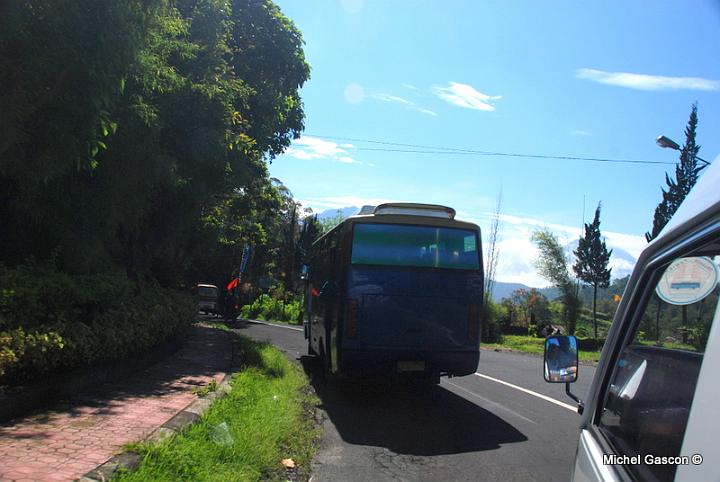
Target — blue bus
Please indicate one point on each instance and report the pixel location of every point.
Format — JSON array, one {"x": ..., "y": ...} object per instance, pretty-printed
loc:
[{"x": 396, "y": 289}]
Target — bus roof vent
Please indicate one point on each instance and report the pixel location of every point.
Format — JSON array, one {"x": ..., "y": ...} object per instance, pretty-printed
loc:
[
  {"x": 367, "y": 209},
  {"x": 412, "y": 209}
]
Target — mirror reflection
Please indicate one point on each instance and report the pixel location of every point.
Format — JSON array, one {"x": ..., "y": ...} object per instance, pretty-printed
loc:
[{"x": 561, "y": 359}]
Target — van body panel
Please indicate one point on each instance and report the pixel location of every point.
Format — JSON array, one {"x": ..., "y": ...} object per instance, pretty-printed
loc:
[{"x": 589, "y": 465}]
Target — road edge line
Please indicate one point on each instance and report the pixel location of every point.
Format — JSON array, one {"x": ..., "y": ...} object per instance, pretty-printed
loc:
[{"x": 273, "y": 324}]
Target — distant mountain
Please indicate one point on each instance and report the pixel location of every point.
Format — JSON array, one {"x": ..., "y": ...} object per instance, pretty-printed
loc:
[
  {"x": 331, "y": 213},
  {"x": 504, "y": 290}
]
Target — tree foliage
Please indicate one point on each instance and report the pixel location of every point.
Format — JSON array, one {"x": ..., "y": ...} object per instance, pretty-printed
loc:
[
  {"x": 686, "y": 174},
  {"x": 552, "y": 265},
  {"x": 591, "y": 265},
  {"x": 529, "y": 307},
  {"x": 136, "y": 134}
]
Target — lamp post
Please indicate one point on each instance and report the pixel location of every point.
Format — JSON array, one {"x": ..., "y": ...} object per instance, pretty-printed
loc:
[{"x": 667, "y": 143}]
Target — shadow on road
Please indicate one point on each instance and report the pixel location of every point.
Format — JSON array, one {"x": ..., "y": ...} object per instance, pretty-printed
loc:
[{"x": 410, "y": 420}]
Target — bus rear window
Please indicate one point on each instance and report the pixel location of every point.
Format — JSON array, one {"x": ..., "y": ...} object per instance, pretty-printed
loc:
[{"x": 419, "y": 246}]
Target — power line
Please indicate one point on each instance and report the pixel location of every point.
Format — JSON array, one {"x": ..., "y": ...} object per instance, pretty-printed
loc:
[{"x": 422, "y": 149}]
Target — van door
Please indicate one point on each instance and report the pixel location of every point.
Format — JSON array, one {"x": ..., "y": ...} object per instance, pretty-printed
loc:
[{"x": 655, "y": 416}]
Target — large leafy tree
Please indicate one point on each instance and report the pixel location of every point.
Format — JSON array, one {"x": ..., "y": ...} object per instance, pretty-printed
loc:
[
  {"x": 686, "y": 174},
  {"x": 592, "y": 258},
  {"x": 552, "y": 265},
  {"x": 171, "y": 111}
]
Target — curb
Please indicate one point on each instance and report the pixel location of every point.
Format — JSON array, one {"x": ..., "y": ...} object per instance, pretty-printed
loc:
[{"x": 130, "y": 461}]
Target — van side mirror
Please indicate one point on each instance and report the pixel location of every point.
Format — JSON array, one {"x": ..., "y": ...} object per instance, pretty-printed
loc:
[
  {"x": 560, "y": 364},
  {"x": 561, "y": 359}
]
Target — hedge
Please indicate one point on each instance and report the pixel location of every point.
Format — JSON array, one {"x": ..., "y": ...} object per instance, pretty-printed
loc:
[
  {"x": 270, "y": 308},
  {"x": 52, "y": 322}
]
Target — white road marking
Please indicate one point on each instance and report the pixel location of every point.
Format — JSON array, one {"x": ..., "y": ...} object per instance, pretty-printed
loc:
[
  {"x": 273, "y": 324},
  {"x": 530, "y": 392},
  {"x": 490, "y": 402}
]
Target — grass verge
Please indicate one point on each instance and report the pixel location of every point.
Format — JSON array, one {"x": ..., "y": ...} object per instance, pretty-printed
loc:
[
  {"x": 267, "y": 416},
  {"x": 534, "y": 345}
]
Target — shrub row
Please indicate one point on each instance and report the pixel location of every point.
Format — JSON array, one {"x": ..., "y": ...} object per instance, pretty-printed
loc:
[
  {"x": 266, "y": 307},
  {"x": 52, "y": 321}
]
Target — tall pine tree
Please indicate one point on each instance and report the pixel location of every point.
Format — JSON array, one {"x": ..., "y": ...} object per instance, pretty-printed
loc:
[
  {"x": 592, "y": 261},
  {"x": 686, "y": 174}
]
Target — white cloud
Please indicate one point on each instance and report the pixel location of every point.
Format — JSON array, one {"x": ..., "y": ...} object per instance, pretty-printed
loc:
[
  {"x": 647, "y": 82},
  {"x": 354, "y": 93},
  {"x": 464, "y": 95},
  {"x": 339, "y": 202},
  {"x": 307, "y": 148},
  {"x": 425, "y": 111},
  {"x": 409, "y": 86},
  {"x": 347, "y": 160},
  {"x": 402, "y": 101},
  {"x": 390, "y": 98},
  {"x": 516, "y": 262},
  {"x": 580, "y": 132},
  {"x": 352, "y": 6}
]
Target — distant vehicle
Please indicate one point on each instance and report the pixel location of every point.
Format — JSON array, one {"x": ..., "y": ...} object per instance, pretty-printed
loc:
[
  {"x": 208, "y": 299},
  {"x": 396, "y": 289},
  {"x": 652, "y": 409}
]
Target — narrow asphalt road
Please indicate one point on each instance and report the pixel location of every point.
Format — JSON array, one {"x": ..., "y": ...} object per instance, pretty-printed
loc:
[{"x": 502, "y": 423}]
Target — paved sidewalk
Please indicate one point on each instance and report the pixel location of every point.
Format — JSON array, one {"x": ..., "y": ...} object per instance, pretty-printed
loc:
[{"x": 74, "y": 437}]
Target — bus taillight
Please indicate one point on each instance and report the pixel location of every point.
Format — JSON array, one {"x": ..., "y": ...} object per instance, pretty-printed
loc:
[
  {"x": 473, "y": 321},
  {"x": 351, "y": 318}
]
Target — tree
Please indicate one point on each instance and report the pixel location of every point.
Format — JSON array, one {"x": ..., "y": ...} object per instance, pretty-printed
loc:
[
  {"x": 327, "y": 224},
  {"x": 552, "y": 265},
  {"x": 128, "y": 125},
  {"x": 493, "y": 250},
  {"x": 592, "y": 261},
  {"x": 686, "y": 174},
  {"x": 531, "y": 305}
]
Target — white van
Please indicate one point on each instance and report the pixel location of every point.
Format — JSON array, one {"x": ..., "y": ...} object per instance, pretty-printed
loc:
[{"x": 653, "y": 409}]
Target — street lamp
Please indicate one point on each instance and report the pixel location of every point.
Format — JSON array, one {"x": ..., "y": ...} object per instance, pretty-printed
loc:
[{"x": 667, "y": 143}]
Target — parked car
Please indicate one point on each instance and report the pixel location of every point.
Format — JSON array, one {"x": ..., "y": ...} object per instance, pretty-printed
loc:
[
  {"x": 208, "y": 299},
  {"x": 652, "y": 409}
]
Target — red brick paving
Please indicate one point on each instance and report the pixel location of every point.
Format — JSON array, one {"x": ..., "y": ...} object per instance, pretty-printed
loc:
[{"x": 68, "y": 441}]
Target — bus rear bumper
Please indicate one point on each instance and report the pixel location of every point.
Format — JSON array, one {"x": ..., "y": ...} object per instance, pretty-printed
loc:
[{"x": 409, "y": 362}]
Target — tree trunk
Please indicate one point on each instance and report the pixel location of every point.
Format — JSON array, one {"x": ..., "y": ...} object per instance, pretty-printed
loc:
[{"x": 595, "y": 313}]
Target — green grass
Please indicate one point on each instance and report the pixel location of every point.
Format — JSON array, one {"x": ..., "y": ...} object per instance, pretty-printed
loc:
[
  {"x": 531, "y": 344},
  {"x": 269, "y": 417}
]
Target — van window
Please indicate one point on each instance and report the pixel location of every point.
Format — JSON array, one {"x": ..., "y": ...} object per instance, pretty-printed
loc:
[{"x": 650, "y": 394}]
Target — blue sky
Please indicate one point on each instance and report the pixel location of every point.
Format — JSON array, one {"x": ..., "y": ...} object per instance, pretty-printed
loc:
[{"x": 567, "y": 78}]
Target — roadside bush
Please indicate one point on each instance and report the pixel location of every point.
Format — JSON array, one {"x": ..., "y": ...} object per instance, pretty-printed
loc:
[
  {"x": 274, "y": 308},
  {"x": 491, "y": 328},
  {"x": 51, "y": 321},
  {"x": 589, "y": 344}
]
